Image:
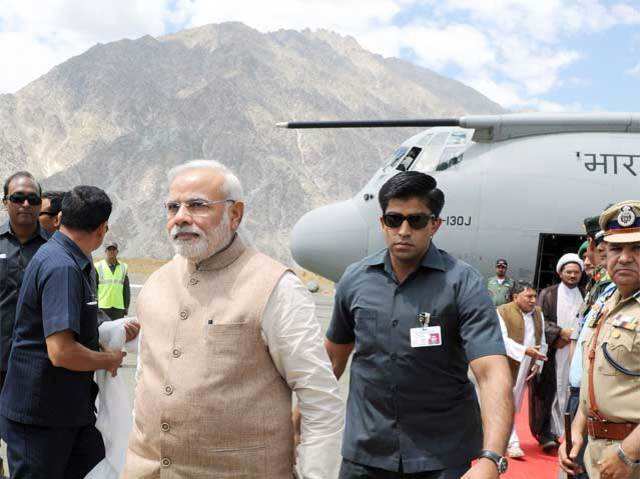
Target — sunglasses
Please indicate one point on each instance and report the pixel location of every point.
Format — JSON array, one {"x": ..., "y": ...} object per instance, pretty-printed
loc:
[
  {"x": 47, "y": 213},
  {"x": 416, "y": 222},
  {"x": 19, "y": 198}
]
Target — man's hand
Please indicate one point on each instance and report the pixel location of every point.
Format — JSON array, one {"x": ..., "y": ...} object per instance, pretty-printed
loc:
[
  {"x": 532, "y": 373},
  {"x": 483, "y": 469},
  {"x": 114, "y": 360},
  {"x": 612, "y": 467},
  {"x": 560, "y": 343},
  {"x": 568, "y": 463},
  {"x": 534, "y": 352},
  {"x": 131, "y": 329}
]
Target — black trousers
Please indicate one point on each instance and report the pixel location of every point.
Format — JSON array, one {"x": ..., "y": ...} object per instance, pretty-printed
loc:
[
  {"x": 353, "y": 470},
  {"x": 572, "y": 408},
  {"x": 36, "y": 452}
]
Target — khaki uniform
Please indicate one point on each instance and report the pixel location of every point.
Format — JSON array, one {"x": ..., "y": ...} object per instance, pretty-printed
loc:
[
  {"x": 209, "y": 402},
  {"x": 617, "y": 395}
]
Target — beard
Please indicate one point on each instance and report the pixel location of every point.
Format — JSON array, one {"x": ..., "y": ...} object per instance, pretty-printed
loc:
[{"x": 206, "y": 244}]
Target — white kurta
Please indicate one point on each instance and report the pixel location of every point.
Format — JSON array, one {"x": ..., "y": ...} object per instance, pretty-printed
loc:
[
  {"x": 569, "y": 301},
  {"x": 516, "y": 351}
]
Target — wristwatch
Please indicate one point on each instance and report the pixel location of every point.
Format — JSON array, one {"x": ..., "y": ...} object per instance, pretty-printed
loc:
[
  {"x": 624, "y": 458},
  {"x": 500, "y": 461}
]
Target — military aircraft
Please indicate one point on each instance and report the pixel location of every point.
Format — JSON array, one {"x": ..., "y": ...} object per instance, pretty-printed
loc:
[{"x": 517, "y": 186}]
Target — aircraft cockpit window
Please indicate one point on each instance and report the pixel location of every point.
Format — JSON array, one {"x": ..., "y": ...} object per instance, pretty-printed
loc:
[
  {"x": 397, "y": 156},
  {"x": 428, "y": 159},
  {"x": 408, "y": 160}
]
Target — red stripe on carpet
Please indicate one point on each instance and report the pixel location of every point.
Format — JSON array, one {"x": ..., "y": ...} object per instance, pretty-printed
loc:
[{"x": 535, "y": 464}]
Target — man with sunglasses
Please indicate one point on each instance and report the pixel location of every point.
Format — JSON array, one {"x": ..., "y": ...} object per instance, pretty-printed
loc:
[
  {"x": 49, "y": 216},
  {"x": 500, "y": 284},
  {"x": 20, "y": 238},
  {"x": 417, "y": 318}
]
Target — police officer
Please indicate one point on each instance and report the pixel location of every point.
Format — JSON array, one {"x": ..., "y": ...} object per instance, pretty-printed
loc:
[
  {"x": 500, "y": 284},
  {"x": 114, "y": 293},
  {"x": 47, "y": 404},
  {"x": 417, "y": 318},
  {"x": 610, "y": 397}
]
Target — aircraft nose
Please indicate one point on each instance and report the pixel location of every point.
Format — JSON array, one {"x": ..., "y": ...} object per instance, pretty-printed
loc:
[{"x": 326, "y": 240}]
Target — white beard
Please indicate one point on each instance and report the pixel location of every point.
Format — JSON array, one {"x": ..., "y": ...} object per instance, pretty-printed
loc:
[{"x": 206, "y": 244}]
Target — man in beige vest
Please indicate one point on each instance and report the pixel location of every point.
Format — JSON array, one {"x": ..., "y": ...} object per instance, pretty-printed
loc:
[
  {"x": 609, "y": 410},
  {"x": 522, "y": 324},
  {"x": 227, "y": 335}
]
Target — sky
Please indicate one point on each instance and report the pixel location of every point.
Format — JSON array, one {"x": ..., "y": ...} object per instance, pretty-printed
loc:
[{"x": 546, "y": 55}]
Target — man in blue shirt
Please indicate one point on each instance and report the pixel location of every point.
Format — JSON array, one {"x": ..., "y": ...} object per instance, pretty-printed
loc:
[
  {"x": 417, "y": 318},
  {"x": 47, "y": 405}
]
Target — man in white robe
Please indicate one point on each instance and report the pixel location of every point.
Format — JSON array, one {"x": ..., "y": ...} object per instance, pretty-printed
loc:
[
  {"x": 522, "y": 326},
  {"x": 560, "y": 304}
]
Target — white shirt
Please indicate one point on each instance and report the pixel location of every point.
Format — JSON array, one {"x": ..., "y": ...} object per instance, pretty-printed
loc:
[
  {"x": 296, "y": 344},
  {"x": 516, "y": 351}
]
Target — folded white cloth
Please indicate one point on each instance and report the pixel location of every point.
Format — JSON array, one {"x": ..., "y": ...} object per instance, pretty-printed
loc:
[{"x": 115, "y": 418}]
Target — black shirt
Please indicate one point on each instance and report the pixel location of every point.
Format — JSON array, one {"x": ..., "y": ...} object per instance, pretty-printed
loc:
[
  {"x": 414, "y": 405},
  {"x": 57, "y": 295},
  {"x": 14, "y": 258}
]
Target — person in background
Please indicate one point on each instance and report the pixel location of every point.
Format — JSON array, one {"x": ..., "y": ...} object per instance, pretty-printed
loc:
[
  {"x": 49, "y": 215},
  {"x": 598, "y": 290},
  {"x": 550, "y": 391},
  {"x": 20, "y": 237},
  {"x": 500, "y": 284},
  {"x": 114, "y": 290},
  {"x": 522, "y": 325}
]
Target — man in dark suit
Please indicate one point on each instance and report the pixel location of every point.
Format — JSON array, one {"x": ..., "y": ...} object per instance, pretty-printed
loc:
[
  {"x": 549, "y": 391},
  {"x": 47, "y": 412}
]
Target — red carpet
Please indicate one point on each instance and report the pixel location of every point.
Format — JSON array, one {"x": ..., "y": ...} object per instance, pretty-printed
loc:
[{"x": 535, "y": 464}]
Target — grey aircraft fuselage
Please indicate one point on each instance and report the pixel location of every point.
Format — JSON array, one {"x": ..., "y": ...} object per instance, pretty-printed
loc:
[{"x": 507, "y": 179}]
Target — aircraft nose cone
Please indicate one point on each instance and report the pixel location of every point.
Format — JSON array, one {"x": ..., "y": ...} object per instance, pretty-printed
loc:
[{"x": 328, "y": 239}]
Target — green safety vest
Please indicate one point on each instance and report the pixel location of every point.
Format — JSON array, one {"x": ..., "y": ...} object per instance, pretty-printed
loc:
[{"x": 111, "y": 285}]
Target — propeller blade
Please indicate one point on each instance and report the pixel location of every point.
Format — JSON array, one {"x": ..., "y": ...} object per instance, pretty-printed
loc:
[{"x": 371, "y": 123}]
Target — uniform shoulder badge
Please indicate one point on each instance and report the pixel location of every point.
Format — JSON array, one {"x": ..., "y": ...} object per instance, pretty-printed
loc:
[{"x": 627, "y": 216}]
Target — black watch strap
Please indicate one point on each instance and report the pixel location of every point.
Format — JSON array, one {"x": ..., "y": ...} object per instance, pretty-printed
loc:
[{"x": 500, "y": 461}]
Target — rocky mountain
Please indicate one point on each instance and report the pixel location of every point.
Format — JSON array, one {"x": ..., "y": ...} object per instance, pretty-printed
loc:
[{"x": 120, "y": 115}]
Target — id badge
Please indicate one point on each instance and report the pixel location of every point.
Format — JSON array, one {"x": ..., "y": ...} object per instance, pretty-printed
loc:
[{"x": 426, "y": 337}]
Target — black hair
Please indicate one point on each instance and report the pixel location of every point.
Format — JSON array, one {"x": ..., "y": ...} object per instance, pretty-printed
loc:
[
  {"x": 20, "y": 174},
  {"x": 85, "y": 208},
  {"x": 519, "y": 286},
  {"x": 55, "y": 198},
  {"x": 412, "y": 184}
]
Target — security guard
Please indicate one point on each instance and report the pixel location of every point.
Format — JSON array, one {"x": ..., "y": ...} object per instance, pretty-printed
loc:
[
  {"x": 114, "y": 293},
  {"x": 416, "y": 319},
  {"x": 47, "y": 404},
  {"x": 610, "y": 393},
  {"x": 500, "y": 284}
]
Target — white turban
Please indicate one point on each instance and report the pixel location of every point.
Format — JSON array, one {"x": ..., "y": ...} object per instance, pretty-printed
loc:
[{"x": 569, "y": 258}]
